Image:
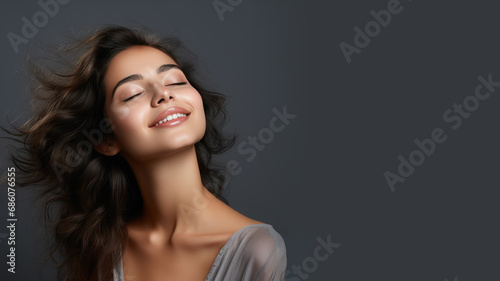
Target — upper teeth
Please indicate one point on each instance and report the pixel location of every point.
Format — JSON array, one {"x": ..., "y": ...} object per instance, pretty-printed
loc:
[{"x": 170, "y": 117}]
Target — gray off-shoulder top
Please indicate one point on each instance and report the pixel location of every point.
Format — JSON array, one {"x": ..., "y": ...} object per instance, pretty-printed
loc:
[{"x": 254, "y": 253}]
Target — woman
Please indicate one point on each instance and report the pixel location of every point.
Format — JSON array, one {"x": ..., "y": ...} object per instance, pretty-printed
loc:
[{"x": 122, "y": 140}]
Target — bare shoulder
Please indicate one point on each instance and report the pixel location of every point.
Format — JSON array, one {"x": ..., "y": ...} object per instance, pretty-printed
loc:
[{"x": 227, "y": 219}]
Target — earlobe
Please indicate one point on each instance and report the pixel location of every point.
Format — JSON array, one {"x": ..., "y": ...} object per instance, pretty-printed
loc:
[{"x": 107, "y": 147}]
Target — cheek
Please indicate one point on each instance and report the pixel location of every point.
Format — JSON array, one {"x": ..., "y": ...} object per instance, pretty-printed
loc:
[
  {"x": 197, "y": 102},
  {"x": 124, "y": 120},
  {"x": 121, "y": 112}
]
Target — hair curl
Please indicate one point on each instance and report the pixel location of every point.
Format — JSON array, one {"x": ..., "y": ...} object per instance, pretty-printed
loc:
[{"x": 95, "y": 194}]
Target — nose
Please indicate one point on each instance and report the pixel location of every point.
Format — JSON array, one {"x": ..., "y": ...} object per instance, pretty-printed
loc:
[{"x": 161, "y": 95}]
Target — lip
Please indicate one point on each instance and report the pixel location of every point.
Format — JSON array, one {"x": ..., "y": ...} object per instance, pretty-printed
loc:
[{"x": 167, "y": 112}]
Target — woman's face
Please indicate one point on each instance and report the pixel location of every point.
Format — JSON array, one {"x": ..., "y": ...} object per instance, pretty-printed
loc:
[{"x": 142, "y": 86}]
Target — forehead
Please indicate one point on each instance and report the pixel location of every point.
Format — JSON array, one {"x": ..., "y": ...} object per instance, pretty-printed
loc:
[{"x": 134, "y": 60}]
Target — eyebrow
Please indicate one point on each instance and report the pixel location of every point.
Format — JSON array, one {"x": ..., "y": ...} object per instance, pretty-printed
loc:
[{"x": 135, "y": 77}]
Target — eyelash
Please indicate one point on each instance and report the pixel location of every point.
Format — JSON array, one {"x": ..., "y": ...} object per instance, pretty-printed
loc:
[{"x": 173, "y": 84}]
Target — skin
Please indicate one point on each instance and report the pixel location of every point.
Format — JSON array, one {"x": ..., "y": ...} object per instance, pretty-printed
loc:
[{"x": 183, "y": 226}]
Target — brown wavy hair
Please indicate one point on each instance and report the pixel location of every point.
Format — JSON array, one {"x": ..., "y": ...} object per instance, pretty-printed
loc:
[{"x": 95, "y": 195}]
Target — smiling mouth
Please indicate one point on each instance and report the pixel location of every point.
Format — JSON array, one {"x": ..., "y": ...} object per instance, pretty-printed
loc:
[{"x": 172, "y": 117}]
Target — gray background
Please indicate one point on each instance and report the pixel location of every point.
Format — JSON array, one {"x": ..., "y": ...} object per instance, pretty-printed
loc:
[{"x": 324, "y": 173}]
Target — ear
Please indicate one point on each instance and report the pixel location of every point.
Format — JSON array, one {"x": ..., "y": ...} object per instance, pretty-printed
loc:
[{"x": 107, "y": 147}]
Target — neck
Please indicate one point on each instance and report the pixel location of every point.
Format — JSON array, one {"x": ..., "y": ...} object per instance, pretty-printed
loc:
[{"x": 172, "y": 192}]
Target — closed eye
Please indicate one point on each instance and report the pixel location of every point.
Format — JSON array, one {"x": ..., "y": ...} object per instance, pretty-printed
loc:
[
  {"x": 127, "y": 99},
  {"x": 173, "y": 84},
  {"x": 177, "y": 84}
]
